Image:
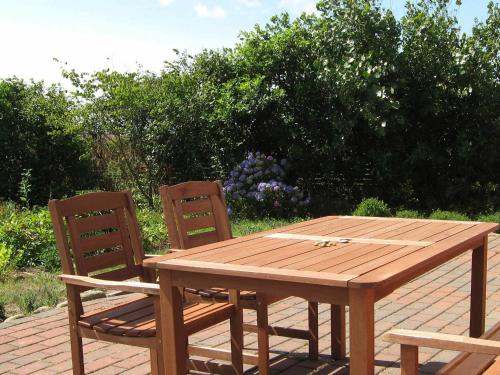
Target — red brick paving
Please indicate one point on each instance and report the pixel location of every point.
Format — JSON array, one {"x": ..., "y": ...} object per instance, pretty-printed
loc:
[{"x": 437, "y": 301}]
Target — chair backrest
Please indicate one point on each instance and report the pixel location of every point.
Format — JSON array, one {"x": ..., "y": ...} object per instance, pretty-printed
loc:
[
  {"x": 195, "y": 213},
  {"x": 98, "y": 234}
]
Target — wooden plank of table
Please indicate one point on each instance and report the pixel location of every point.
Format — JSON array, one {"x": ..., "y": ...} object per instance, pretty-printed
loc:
[
  {"x": 261, "y": 273},
  {"x": 305, "y": 253},
  {"x": 424, "y": 231},
  {"x": 292, "y": 236},
  {"x": 402, "y": 219},
  {"x": 333, "y": 257},
  {"x": 399, "y": 226},
  {"x": 255, "y": 246},
  {"x": 371, "y": 262},
  {"x": 152, "y": 262},
  {"x": 406, "y": 268},
  {"x": 331, "y": 225},
  {"x": 377, "y": 226},
  {"x": 259, "y": 258}
]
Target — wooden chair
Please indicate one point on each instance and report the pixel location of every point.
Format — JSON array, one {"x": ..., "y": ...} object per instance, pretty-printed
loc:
[
  {"x": 199, "y": 206},
  {"x": 480, "y": 356},
  {"x": 99, "y": 245}
]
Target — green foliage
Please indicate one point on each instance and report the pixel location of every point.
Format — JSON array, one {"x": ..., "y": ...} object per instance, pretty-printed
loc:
[
  {"x": 493, "y": 217},
  {"x": 29, "y": 240},
  {"x": 409, "y": 214},
  {"x": 448, "y": 215},
  {"x": 153, "y": 231},
  {"x": 7, "y": 259},
  {"x": 25, "y": 188},
  {"x": 362, "y": 104},
  {"x": 39, "y": 134},
  {"x": 372, "y": 207},
  {"x": 242, "y": 227},
  {"x": 25, "y": 292}
]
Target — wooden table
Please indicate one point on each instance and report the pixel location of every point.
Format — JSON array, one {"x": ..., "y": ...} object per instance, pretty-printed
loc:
[{"x": 367, "y": 259}]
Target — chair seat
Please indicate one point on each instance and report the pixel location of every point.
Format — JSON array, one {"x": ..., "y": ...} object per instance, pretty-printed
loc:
[
  {"x": 137, "y": 318},
  {"x": 220, "y": 294}
]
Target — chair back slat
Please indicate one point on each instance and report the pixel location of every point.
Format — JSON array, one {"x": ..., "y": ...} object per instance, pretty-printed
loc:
[
  {"x": 193, "y": 189},
  {"x": 91, "y": 202},
  {"x": 201, "y": 239},
  {"x": 95, "y": 233},
  {"x": 200, "y": 205},
  {"x": 100, "y": 241},
  {"x": 195, "y": 214},
  {"x": 106, "y": 260},
  {"x": 200, "y": 222},
  {"x": 97, "y": 223}
]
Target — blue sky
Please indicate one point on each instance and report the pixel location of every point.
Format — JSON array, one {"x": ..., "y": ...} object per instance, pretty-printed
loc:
[{"x": 94, "y": 34}]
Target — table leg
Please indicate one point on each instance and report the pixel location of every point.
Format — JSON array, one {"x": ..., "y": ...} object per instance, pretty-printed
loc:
[
  {"x": 338, "y": 331},
  {"x": 362, "y": 331},
  {"x": 478, "y": 289},
  {"x": 312, "y": 308},
  {"x": 172, "y": 326},
  {"x": 263, "y": 334}
]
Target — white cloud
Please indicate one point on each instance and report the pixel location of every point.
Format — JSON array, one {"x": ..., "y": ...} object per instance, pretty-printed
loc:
[
  {"x": 204, "y": 11},
  {"x": 299, "y": 6},
  {"x": 165, "y": 3},
  {"x": 251, "y": 3}
]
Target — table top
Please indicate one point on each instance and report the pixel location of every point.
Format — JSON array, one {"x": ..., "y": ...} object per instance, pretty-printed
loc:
[{"x": 341, "y": 251}]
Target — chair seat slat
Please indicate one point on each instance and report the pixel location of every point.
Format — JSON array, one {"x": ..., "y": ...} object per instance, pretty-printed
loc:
[{"x": 136, "y": 318}]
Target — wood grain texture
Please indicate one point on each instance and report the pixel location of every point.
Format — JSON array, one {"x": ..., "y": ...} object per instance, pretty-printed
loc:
[
  {"x": 292, "y": 236},
  {"x": 355, "y": 273}
]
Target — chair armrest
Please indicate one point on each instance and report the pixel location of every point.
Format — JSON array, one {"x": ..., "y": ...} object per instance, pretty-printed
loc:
[
  {"x": 442, "y": 341},
  {"x": 124, "y": 286}
]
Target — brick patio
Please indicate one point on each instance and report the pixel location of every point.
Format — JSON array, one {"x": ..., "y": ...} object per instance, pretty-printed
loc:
[{"x": 437, "y": 301}]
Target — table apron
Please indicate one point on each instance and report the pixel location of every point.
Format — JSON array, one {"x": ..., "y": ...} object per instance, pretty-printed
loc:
[
  {"x": 315, "y": 293},
  {"x": 387, "y": 288}
]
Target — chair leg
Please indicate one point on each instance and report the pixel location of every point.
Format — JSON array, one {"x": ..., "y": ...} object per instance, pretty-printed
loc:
[
  {"x": 76, "y": 352},
  {"x": 262, "y": 334},
  {"x": 338, "y": 331},
  {"x": 236, "y": 324},
  {"x": 313, "y": 330},
  {"x": 156, "y": 362}
]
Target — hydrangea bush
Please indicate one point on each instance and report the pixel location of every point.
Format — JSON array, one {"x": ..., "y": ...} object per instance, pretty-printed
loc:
[{"x": 257, "y": 187}]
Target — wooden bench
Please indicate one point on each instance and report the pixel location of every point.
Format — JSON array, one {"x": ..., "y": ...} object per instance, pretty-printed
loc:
[{"x": 480, "y": 356}]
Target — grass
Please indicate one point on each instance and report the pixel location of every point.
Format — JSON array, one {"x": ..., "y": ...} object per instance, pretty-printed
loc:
[{"x": 25, "y": 291}]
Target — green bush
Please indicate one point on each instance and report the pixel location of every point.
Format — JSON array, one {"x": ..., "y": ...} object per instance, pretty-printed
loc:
[
  {"x": 372, "y": 207},
  {"x": 7, "y": 259},
  {"x": 43, "y": 152},
  {"x": 153, "y": 231},
  {"x": 409, "y": 214},
  {"x": 493, "y": 217},
  {"x": 242, "y": 227},
  {"x": 28, "y": 234},
  {"x": 448, "y": 215}
]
